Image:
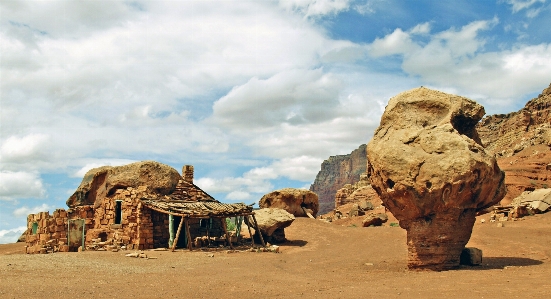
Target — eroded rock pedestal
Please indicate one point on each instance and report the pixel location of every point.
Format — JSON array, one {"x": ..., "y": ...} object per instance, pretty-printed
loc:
[{"x": 427, "y": 164}]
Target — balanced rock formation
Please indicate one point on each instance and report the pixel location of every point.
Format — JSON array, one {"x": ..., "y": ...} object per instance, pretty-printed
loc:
[
  {"x": 299, "y": 202},
  {"x": 104, "y": 181},
  {"x": 272, "y": 222},
  {"x": 431, "y": 171},
  {"x": 336, "y": 172}
]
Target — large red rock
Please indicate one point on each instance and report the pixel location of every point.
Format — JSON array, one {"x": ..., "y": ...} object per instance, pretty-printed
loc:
[
  {"x": 294, "y": 201},
  {"x": 431, "y": 171},
  {"x": 103, "y": 181}
]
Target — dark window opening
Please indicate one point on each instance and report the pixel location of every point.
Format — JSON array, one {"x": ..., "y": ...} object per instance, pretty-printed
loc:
[
  {"x": 118, "y": 212},
  {"x": 103, "y": 236},
  {"x": 35, "y": 228}
]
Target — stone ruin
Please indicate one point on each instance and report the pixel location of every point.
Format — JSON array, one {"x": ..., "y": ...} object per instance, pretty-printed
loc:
[
  {"x": 431, "y": 171},
  {"x": 123, "y": 208}
]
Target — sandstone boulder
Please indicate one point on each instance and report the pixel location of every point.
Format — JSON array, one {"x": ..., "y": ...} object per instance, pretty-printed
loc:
[
  {"x": 298, "y": 202},
  {"x": 538, "y": 200},
  {"x": 272, "y": 222},
  {"x": 103, "y": 181},
  {"x": 374, "y": 219},
  {"x": 427, "y": 164}
]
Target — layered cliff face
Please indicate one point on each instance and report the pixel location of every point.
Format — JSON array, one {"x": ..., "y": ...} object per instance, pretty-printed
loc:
[
  {"x": 335, "y": 173},
  {"x": 521, "y": 142}
]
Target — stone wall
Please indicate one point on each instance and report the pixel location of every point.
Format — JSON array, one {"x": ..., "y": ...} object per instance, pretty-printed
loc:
[{"x": 47, "y": 233}]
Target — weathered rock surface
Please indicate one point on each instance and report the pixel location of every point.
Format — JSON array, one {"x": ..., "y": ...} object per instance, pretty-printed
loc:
[
  {"x": 103, "y": 181},
  {"x": 427, "y": 164},
  {"x": 538, "y": 201},
  {"x": 295, "y": 201},
  {"x": 336, "y": 172},
  {"x": 375, "y": 219},
  {"x": 272, "y": 222},
  {"x": 521, "y": 141}
]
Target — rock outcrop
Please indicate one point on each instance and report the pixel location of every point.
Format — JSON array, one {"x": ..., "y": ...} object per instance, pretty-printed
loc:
[
  {"x": 521, "y": 141},
  {"x": 428, "y": 165},
  {"x": 298, "y": 202},
  {"x": 336, "y": 172},
  {"x": 105, "y": 181},
  {"x": 272, "y": 222}
]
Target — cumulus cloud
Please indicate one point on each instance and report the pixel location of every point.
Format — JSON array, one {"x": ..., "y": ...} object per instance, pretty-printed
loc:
[
  {"x": 18, "y": 148},
  {"x": 14, "y": 185},
  {"x": 11, "y": 235},
  {"x": 456, "y": 57},
  {"x": 293, "y": 97},
  {"x": 25, "y": 210},
  {"x": 316, "y": 8}
]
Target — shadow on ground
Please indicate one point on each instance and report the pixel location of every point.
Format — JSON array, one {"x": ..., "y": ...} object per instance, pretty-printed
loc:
[
  {"x": 489, "y": 263},
  {"x": 298, "y": 243}
]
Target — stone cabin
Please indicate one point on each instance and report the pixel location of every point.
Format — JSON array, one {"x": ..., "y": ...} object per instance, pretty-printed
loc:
[{"x": 135, "y": 218}]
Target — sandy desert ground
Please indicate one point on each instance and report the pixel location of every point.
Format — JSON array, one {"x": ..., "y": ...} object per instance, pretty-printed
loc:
[{"x": 321, "y": 261}]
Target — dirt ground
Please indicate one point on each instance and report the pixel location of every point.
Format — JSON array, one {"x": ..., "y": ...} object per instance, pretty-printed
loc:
[{"x": 321, "y": 261}]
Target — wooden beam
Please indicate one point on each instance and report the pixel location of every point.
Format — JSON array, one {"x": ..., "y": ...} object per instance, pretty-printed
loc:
[
  {"x": 248, "y": 223},
  {"x": 177, "y": 234},
  {"x": 189, "y": 245},
  {"x": 224, "y": 226},
  {"x": 258, "y": 230}
]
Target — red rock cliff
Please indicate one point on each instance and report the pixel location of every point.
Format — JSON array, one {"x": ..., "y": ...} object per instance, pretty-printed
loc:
[
  {"x": 335, "y": 173},
  {"x": 521, "y": 141}
]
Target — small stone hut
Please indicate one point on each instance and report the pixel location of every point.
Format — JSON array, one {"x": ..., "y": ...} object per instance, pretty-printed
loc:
[{"x": 137, "y": 218}]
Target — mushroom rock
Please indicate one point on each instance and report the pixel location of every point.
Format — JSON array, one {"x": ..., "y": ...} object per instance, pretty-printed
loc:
[
  {"x": 431, "y": 171},
  {"x": 272, "y": 222},
  {"x": 294, "y": 201},
  {"x": 103, "y": 181}
]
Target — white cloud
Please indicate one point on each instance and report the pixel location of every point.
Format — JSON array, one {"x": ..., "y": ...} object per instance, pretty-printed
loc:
[
  {"x": 11, "y": 235},
  {"x": 18, "y": 148},
  {"x": 25, "y": 210},
  {"x": 398, "y": 42},
  {"x": 316, "y": 8},
  {"x": 20, "y": 184},
  {"x": 518, "y": 5},
  {"x": 456, "y": 58},
  {"x": 293, "y": 97}
]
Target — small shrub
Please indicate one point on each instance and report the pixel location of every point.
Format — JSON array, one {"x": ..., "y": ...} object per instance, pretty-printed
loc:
[
  {"x": 394, "y": 224},
  {"x": 230, "y": 224}
]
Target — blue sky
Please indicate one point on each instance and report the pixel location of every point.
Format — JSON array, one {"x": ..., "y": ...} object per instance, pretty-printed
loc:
[{"x": 254, "y": 94}]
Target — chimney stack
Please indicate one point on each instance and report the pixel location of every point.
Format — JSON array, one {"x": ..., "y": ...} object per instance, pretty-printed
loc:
[{"x": 187, "y": 173}]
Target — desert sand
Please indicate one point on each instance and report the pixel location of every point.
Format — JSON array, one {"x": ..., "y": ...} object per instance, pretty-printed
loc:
[{"x": 321, "y": 260}]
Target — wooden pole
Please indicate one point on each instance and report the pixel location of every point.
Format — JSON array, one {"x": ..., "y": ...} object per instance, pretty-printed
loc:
[
  {"x": 224, "y": 226},
  {"x": 189, "y": 245},
  {"x": 170, "y": 230},
  {"x": 177, "y": 234},
  {"x": 259, "y": 232},
  {"x": 248, "y": 223}
]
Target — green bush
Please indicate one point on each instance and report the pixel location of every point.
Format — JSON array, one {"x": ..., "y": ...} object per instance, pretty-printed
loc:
[{"x": 230, "y": 223}]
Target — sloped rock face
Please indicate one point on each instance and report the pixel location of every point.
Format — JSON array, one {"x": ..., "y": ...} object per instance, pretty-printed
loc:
[
  {"x": 294, "y": 201},
  {"x": 521, "y": 141},
  {"x": 427, "y": 164},
  {"x": 336, "y": 172},
  {"x": 104, "y": 181}
]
